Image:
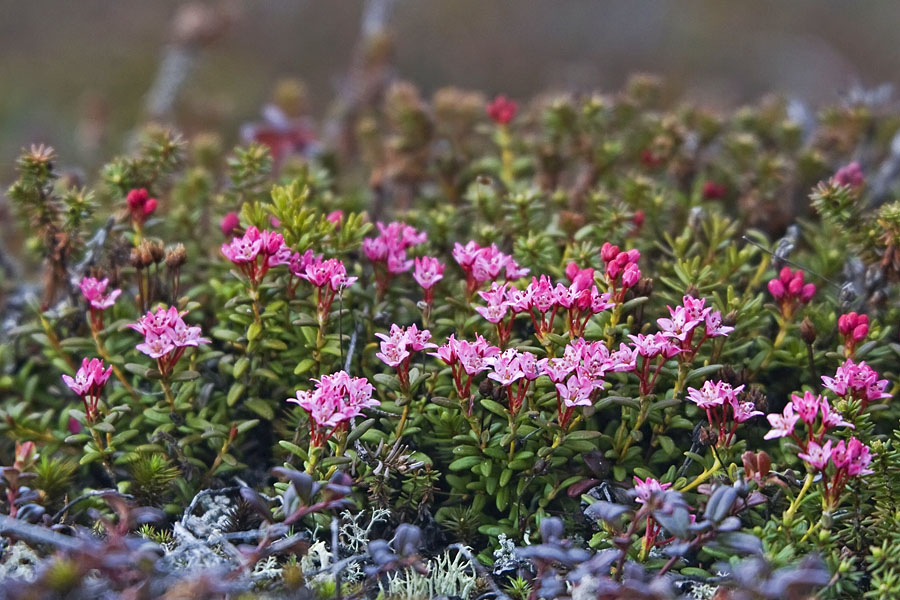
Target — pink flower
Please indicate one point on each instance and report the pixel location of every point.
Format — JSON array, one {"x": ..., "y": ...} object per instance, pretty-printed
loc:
[
  {"x": 485, "y": 264},
  {"x": 850, "y": 175},
  {"x": 156, "y": 345},
  {"x": 230, "y": 223},
  {"x": 783, "y": 424},
  {"x": 806, "y": 406},
  {"x": 335, "y": 401},
  {"x": 528, "y": 364},
  {"x": 679, "y": 326},
  {"x": 857, "y": 381},
  {"x": 744, "y": 411},
  {"x": 542, "y": 293},
  {"x": 576, "y": 391},
  {"x": 166, "y": 337},
  {"x": 710, "y": 395},
  {"x": 502, "y": 110},
  {"x": 392, "y": 354},
  {"x": 646, "y": 488},
  {"x": 335, "y": 217},
  {"x": 398, "y": 345},
  {"x": 854, "y": 457},
  {"x": 387, "y": 251},
  {"x": 817, "y": 456},
  {"x": 582, "y": 279},
  {"x": 88, "y": 383},
  {"x": 257, "y": 251},
  {"x": 830, "y": 417},
  {"x": 631, "y": 275},
  {"x": 94, "y": 290},
  {"x": 429, "y": 271},
  {"x": 654, "y": 345},
  {"x": 557, "y": 369},
  {"x": 89, "y": 379},
  {"x": 713, "y": 324},
  {"x": 506, "y": 367}
]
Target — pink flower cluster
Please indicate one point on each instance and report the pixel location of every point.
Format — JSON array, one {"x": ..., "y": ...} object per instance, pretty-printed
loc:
[
  {"x": 809, "y": 409},
  {"x": 684, "y": 320},
  {"x": 722, "y": 406},
  {"x": 88, "y": 382},
  {"x": 543, "y": 301},
  {"x": 429, "y": 271},
  {"x": 387, "y": 250},
  {"x": 857, "y": 382},
  {"x": 850, "y": 175},
  {"x": 256, "y": 252},
  {"x": 850, "y": 459},
  {"x": 140, "y": 205},
  {"x": 502, "y": 110},
  {"x": 579, "y": 373},
  {"x": 398, "y": 345},
  {"x": 334, "y": 402},
  {"x": 166, "y": 337},
  {"x": 484, "y": 264},
  {"x": 466, "y": 360},
  {"x": 655, "y": 348},
  {"x": 512, "y": 366},
  {"x": 94, "y": 292},
  {"x": 853, "y": 328},
  {"x": 622, "y": 271},
  {"x": 644, "y": 491},
  {"x": 329, "y": 276},
  {"x": 790, "y": 290}
]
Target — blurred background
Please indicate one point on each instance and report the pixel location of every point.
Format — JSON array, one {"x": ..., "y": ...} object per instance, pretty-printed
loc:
[{"x": 77, "y": 74}]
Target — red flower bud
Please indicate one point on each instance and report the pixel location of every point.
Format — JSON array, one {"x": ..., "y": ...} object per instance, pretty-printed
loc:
[
  {"x": 713, "y": 191},
  {"x": 502, "y": 110}
]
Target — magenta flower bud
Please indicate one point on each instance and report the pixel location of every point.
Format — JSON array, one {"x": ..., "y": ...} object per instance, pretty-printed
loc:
[
  {"x": 776, "y": 288},
  {"x": 795, "y": 286},
  {"x": 860, "y": 332},
  {"x": 850, "y": 175},
  {"x": 608, "y": 252},
  {"x": 807, "y": 292},
  {"x": 846, "y": 323},
  {"x": 631, "y": 275},
  {"x": 230, "y": 222}
]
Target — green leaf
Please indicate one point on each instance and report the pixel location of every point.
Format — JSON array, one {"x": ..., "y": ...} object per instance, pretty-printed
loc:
[
  {"x": 359, "y": 430},
  {"x": 494, "y": 407},
  {"x": 236, "y": 391},
  {"x": 293, "y": 449},
  {"x": 304, "y": 365},
  {"x": 137, "y": 369},
  {"x": 261, "y": 408},
  {"x": 247, "y": 425},
  {"x": 185, "y": 375},
  {"x": 466, "y": 462},
  {"x": 702, "y": 372},
  {"x": 240, "y": 367}
]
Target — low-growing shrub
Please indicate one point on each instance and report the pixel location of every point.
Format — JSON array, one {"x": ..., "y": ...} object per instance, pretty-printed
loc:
[{"x": 595, "y": 347}]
